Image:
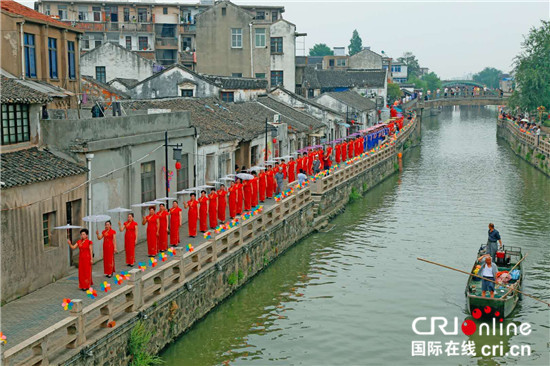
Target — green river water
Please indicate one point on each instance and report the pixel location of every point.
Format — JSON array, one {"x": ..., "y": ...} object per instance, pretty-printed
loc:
[{"x": 349, "y": 296}]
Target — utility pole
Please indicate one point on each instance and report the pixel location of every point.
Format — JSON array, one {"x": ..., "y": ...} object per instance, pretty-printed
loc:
[
  {"x": 177, "y": 156},
  {"x": 265, "y": 155}
]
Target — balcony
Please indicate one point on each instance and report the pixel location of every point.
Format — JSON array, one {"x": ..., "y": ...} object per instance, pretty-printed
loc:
[
  {"x": 188, "y": 28},
  {"x": 166, "y": 43}
]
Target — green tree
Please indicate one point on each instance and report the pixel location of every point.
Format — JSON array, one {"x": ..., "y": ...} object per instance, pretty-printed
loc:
[
  {"x": 394, "y": 92},
  {"x": 413, "y": 68},
  {"x": 418, "y": 83},
  {"x": 489, "y": 77},
  {"x": 432, "y": 81},
  {"x": 532, "y": 71},
  {"x": 355, "y": 43},
  {"x": 320, "y": 49}
]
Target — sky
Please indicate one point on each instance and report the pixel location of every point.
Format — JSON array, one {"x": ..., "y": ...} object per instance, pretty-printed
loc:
[{"x": 451, "y": 38}]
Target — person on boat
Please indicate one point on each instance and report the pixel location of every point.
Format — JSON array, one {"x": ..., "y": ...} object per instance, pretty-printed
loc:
[
  {"x": 494, "y": 236},
  {"x": 488, "y": 271}
]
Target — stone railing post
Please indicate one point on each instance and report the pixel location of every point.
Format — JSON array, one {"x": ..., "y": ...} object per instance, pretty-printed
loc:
[
  {"x": 179, "y": 257},
  {"x": 137, "y": 288},
  {"x": 76, "y": 311}
]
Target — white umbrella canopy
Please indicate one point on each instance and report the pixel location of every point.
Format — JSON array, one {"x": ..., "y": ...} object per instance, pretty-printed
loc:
[
  {"x": 185, "y": 191},
  {"x": 257, "y": 168},
  {"x": 245, "y": 176},
  {"x": 96, "y": 218},
  {"x": 119, "y": 210},
  {"x": 227, "y": 178},
  {"x": 214, "y": 182},
  {"x": 67, "y": 227},
  {"x": 525, "y": 120}
]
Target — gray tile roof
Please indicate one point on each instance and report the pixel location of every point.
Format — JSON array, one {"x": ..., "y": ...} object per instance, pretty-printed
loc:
[
  {"x": 309, "y": 101},
  {"x": 32, "y": 165},
  {"x": 12, "y": 91},
  {"x": 107, "y": 87},
  {"x": 300, "y": 121},
  {"x": 326, "y": 79},
  {"x": 352, "y": 99},
  {"x": 227, "y": 82},
  {"x": 129, "y": 83}
]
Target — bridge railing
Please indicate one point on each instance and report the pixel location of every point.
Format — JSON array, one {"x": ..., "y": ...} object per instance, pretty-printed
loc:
[{"x": 528, "y": 138}]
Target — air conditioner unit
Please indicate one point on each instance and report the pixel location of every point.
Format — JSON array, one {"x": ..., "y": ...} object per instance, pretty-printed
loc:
[{"x": 277, "y": 118}]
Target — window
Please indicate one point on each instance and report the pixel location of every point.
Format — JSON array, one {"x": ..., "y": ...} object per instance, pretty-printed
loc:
[
  {"x": 253, "y": 155},
  {"x": 227, "y": 96},
  {"x": 237, "y": 75},
  {"x": 126, "y": 13},
  {"x": 85, "y": 43},
  {"x": 224, "y": 164},
  {"x": 260, "y": 15},
  {"x": 96, "y": 10},
  {"x": 186, "y": 43},
  {"x": 341, "y": 62},
  {"x": 311, "y": 93},
  {"x": 52, "y": 51},
  {"x": 142, "y": 15},
  {"x": 260, "y": 37},
  {"x": 236, "y": 38},
  {"x": 97, "y": 43},
  {"x": 148, "y": 184},
  {"x": 188, "y": 93},
  {"x": 48, "y": 223},
  {"x": 30, "y": 56},
  {"x": 274, "y": 15},
  {"x": 276, "y": 44},
  {"x": 83, "y": 13},
  {"x": 128, "y": 42},
  {"x": 164, "y": 11},
  {"x": 100, "y": 74},
  {"x": 224, "y": 11},
  {"x": 48, "y": 10},
  {"x": 331, "y": 63},
  {"x": 71, "y": 57},
  {"x": 260, "y": 75},
  {"x": 143, "y": 43},
  {"x": 396, "y": 68},
  {"x": 112, "y": 13},
  {"x": 276, "y": 78},
  {"x": 183, "y": 173},
  {"x": 62, "y": 12},
  {"x": 15, "y": 123}
]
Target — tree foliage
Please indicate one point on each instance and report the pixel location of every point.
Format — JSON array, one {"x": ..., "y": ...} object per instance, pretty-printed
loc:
[
  {"x": 413, "y": 67},
  {"x": 355, "y": 43},
  {"x": 432, "y": 81},
  {"x": 532, "y": 71},
  {"x": 320, "y": 49},
  {"x": 489, "y": 77},
  {"x": 394, "y": 92},
  {"x": 418, "y": 83}
]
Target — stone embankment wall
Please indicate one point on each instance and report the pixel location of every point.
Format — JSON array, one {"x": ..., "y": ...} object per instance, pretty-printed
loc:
[
  {"x": 535, "y": 150},
  {"x": 169, "y": 299}
]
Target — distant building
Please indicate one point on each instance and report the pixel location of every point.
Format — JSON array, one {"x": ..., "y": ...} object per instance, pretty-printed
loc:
[
  {"x": 233, "y": 41},
  {"x": 41, "y": 49},
  {"x": 365, "y": 59},
  {"x": 94, "y": 91},
  {"x": 506, "y": 83},
  {"x": 360, "y": 111},
  {"x": 178, "y": 81},
  {"x": 398, "y": 70},
  {"x": 110, "y": 61}
]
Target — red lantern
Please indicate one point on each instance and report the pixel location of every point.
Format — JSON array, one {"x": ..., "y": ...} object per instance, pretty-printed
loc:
[
  {"x": 352, "y": 122},
  {"x": 274, "y": 141},
  {"x": 178, "y": 165}
]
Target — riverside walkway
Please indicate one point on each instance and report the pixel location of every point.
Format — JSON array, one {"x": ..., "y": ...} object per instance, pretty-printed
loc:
[{"x": 39, "y": 331}]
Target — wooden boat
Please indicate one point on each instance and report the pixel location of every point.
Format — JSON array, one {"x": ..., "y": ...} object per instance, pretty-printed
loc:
[{"x": 505, "y": 299}]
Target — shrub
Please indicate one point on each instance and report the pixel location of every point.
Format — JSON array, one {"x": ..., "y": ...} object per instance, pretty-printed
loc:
[{"x": 137, "y": 347}]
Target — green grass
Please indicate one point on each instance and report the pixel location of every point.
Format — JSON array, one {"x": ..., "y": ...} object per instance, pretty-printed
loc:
[
  {"x": 354, "y": 195},
  {"x": 240, "y": 275},
  {"x": 137, "y": 347},
  {"x": 232, "y": 279},
  {"x": 546, "y": 123}
]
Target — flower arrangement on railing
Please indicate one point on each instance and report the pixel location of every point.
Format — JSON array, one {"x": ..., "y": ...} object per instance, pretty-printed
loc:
[
  {"x": 152, "y": 262},
  {"x": 105, "y": 286},
  {"x": 207, "y": 235},
  {"x": 92, "y": 294},
  {"x": 284, "y": 194},
  {"x": 162, "y": 256},
  {"x": 3, "y": 338},
  {"x": 142, "y": 266},
  {"x": 189, "y": 248},
  {"x": 67, "y": 304},
  {"x": 253, "y": 212},
  {"x": 171, "y": 252},
  {"x": 119, "y": 279}
]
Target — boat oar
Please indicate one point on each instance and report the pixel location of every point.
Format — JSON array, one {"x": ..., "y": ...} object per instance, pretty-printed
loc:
[
  {"x": 522, "y": 258},
  {"x": 471, "y": 274}
]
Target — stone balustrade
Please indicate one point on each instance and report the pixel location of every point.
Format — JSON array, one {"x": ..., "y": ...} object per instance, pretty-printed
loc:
[
  {"x": 142, "y": 289},
  {"x": 529, "y": 139}
]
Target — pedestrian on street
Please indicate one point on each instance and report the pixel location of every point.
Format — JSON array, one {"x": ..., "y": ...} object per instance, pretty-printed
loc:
[
  {"x": 192, "y": 216},
  {"x": 152, "y": 221},
  {"x": 175, "y": 223},
  {"x": 203, "y": 212},
  {"x": 279, "y": 177},
  {"x": 85, "y": 260},
  {"x": 130, "y": 238},
  {"x": 163, "y": 228},
  {"x": 222, "y": 202},
  {"x": 213, "y": 208},
  {"x": 109, "y": 248}
]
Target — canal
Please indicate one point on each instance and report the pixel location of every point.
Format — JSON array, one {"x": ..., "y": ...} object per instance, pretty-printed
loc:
[{"x": 348, "y": 296}]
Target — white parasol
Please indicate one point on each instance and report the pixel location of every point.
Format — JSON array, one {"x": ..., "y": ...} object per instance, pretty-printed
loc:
[
  {"x": 67, "y": 227},
  {"x": 96, "y": 218},
  {"x": 525, "y": 120},
  {"x": 164, "y": 199},
  {"x": 256, "y": 168},
  {"x": 185, "y": 191},
  {"x": 245, "y": 176},
  {"x": 206, "y": 186},
  {"x": 227, "y": 178},
  {"x": 119, "y": 210}
]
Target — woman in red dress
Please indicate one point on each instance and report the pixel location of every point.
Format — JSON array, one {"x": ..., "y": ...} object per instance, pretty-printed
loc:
[
  {"x": 269, "y": 182},
  {"x": 163, "y": 228},
  {"x": 232, "y": 199},
  {"x": 222, "y": 203},
  {"x": 203, "y": 212},
  {"x": 262, "y": 186},
  {"x": 291, "y": 167},
  {"x": 240, "y": 194},
  {"x": 213, "y": 208},
  {"x": 344, "y": 151},
  {"x": 152, "y": 222},
  {"x": 175, "y": 223},
  {"x": 130, "y": 239},
  {"x": 254, "y": 186},
  {"x": 337, "y": 154},
  {"x": 109, "y": 248},
  {"x": 193, "y": 214},
  {"x": 247, "y": 187},
  {"x": 85, "y": 260}
]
